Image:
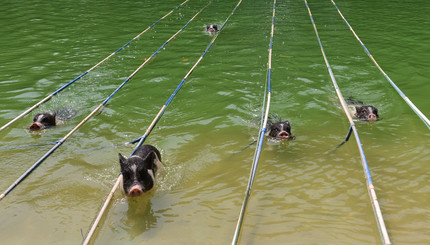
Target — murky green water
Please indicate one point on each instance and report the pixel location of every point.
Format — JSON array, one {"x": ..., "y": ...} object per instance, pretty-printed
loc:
[{"x": 303, "y": 194}]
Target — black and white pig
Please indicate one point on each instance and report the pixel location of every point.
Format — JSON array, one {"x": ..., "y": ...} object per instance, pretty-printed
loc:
[
  {"x": 361, "y": 111},
  {"x": 139, "y": 171},
  {"x": 43, "y": 120},
  {"x": 47, "y": 120},
  {"x": 212, "y": 28},
  {"x": 280, "y": 129}
]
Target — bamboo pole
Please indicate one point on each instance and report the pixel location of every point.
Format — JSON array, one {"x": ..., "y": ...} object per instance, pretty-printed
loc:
[
  {"x": 83, "y": 74},
  {"x": 60, "y": 142},
  {"x": 404, "y": 97},
  {"x": 154, "y": 122},
  {"x": 260, "y": 137},
  {"x": 370, "y": 188}
]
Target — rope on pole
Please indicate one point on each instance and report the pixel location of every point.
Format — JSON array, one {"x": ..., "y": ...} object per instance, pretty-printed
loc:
[
  {"x": 148, "y": 131},
  {"x": 60, "y": 142},
  {"x": 260, "y": 137},
  {"x": 371, "y": 190},
  {"x": 405, "y": 98},
  {"x": 83, "y": 74},
  {"x": 26, "y": 146}
]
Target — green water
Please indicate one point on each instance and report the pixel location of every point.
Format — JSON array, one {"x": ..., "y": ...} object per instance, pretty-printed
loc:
[{"x": 302, "y": 194}]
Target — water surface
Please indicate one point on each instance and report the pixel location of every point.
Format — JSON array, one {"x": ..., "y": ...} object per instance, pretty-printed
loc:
[{"x": 303, "y": 193}]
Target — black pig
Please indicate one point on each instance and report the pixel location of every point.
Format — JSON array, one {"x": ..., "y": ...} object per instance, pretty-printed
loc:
[
  {"x": 280, "y": 130},
  {"x": 43, "y": 120},
  {"x": 362, "y": 111},
  {"x": 47, "y": 120},
  {"x": 212, "y": 28},
  {"x": 138, "y": 171}
]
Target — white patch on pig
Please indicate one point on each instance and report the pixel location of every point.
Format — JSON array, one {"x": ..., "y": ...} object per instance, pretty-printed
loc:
[
  {"x": 134, "y": 168},
  {"x": 39, "y": 118},
  {"x": 158, "y": 163},
  {"x": 121, "y": 184},
  {"x": 352, "y": 111},
  {"x": 151, "y": 173}
]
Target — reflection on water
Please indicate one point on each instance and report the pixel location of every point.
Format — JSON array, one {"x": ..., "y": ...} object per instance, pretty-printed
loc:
[{"x": 304, "y": 191}]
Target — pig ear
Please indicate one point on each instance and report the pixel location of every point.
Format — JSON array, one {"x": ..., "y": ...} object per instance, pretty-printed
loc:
[
  {"x": 357, "y": 108},
  {"x": 122, "y": 159},
  {"x": 150, "y": 160},
  {"x": 269, "y": 122}
]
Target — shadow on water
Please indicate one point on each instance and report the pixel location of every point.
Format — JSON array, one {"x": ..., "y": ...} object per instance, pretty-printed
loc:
[{"x": 140, "y": 216}]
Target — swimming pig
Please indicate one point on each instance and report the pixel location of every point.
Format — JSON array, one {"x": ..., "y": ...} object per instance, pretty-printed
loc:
[
  {"x": 50, "y": 119},
  {"x": 138, "y": 171},
  {"x": 280, "y": 129},
  {"x": 361, "y": 111},
  {"x": 212, "y": 28}
]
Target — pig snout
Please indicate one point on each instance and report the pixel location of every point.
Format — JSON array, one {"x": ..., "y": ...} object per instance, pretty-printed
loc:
[
  {"x": 135, "y": 191},
  {"x": 284, "y": 135},
  {"x": 372, "y": 117},
  {"x": 36, "y": 126}
]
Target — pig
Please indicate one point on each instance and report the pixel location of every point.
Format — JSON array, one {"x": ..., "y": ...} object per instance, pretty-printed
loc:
[
  {"x": 361, "y": 111},
  {"x": 212, "y": 28},
  {"x": 280, "y": 129},
  {"x": 139, "y": 171},
  {"x": 50, "y": 119},
  {"x": 43, "y": 120}
]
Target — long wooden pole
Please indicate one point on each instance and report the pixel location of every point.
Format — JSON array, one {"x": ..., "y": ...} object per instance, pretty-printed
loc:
[{"x": 370, "y": 188}]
